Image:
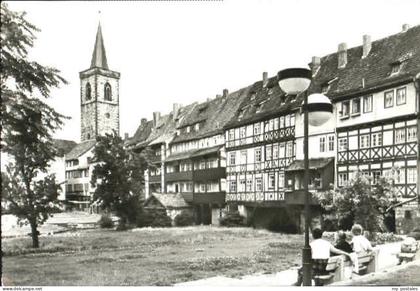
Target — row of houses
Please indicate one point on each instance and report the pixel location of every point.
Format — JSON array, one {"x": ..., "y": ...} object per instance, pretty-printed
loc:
[{"x": 244, "y": 150}]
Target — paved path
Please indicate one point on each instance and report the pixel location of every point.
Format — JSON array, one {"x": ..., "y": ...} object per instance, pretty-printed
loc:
[
  {"x": 58, "y": 223},
  {"x": 387, "y": 258}
]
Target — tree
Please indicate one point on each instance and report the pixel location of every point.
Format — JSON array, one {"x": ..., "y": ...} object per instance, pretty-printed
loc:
[
  {"x": 118, "y": 177},
  {"x": 360, "y": 202},
  {"x": 27, "y": 124}
]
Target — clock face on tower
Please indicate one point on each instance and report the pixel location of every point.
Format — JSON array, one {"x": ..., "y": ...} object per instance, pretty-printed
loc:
[{"x": 99, "y": 88}]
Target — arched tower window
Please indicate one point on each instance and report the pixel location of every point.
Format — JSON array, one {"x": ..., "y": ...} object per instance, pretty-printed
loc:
[
  {"x": 108, "y": 92},
  {"x": 88, "y": 92}
]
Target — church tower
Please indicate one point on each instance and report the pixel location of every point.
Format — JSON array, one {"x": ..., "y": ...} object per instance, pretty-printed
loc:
[{"x": 99, "y": 95}]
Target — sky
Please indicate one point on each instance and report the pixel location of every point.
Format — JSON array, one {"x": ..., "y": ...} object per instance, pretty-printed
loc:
[{"x": 186, "y": 51}]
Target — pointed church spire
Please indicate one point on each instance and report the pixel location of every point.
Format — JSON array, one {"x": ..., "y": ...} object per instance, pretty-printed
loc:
[{"x": 99, "y": 56}]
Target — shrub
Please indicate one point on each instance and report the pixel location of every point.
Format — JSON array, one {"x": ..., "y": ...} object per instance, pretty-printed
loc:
[
  {"x": 185, "y": 218},
  {"x": 106, "y": 221},
  {"x": 153, "y": 218},
  {"x": 232, "y": 219}
]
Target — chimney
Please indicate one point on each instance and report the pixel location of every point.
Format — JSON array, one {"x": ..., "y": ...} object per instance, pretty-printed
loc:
[
  {"x": 175, "y": 110},
  {"x": 367, "y": 45},
  {"x": 265, "y": 79},
  {"x": 342, "y": 55},
  {"x": 126, "y": 135},
  {"x": 225, "y": 93},
  {"x": 315, "y": 64},
  {"x": 143, "y": 121},
  {"x": 405, "y": 27},
  {"x": 156, "y": 117}
]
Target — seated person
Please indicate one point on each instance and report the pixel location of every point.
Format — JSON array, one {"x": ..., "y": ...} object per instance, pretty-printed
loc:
[
  {"x": 321, "y": 249},
  {"x": 342, "y": 243},
  {"x": 359, "y": 242}
]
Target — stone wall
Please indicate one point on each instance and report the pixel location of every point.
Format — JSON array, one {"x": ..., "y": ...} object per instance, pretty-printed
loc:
[
  {"x": 99, "y": 116},
  {"x": 407, "y": 217}
]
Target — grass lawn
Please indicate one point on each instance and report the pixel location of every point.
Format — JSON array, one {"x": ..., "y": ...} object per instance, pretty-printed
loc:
[{"x": 147, "y": 257}]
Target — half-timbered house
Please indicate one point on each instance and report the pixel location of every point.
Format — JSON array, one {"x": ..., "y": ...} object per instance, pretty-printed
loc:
[{"x": 375, "y": 91}]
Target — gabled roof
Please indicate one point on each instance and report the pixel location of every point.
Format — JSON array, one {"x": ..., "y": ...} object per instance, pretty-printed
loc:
[
  {"x": 212, "y": 116},
  {"x": 262, "y": 102},
  {"x": 374, "y": 70},
  {"x": 314, "y": 164},
  {"x": 141, "y": 134},
  {"x": 163, "y": 132},
  {"x": 63, "y": 146},
  {"x": 80, "y": 149},
  {"x": 99, "y": 55},
  {"x": 168, "y": 200}
]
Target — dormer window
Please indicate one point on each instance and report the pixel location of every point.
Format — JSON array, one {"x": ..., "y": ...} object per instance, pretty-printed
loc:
[
  {"x": 241, "y": 113},
  {"x": 188, "y": 129},
  {"x": 197, "y": 126},
  {"x": 258, "y": 107},
  {"x": 253, "y": 95},
  {"x": 270, "y": 91},
  {"x": 325, "y": 87},
  {"x": 395, "y": 67}
]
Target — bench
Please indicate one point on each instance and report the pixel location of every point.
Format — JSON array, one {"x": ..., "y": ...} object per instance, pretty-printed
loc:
[
  {"x": 335, "y": 269},
  {"x": 368, "y": 263},
  {"x": 408, "y": 252}
]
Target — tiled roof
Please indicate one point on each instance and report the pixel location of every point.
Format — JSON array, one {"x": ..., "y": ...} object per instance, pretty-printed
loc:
[
  {"x": 63, "y": 146},
  {"x": 212, "y": 116},
  {"x": 169, "y": 200},
  {"x": 141, "y": 134},
  {"x": 373, "y": 71},
  {"x": 314, "y": 164},
  {"x": 192, "y": 153},
  {"x": 262, "y": 103},
  {"x": 80, "y": 149},
  {"x": 165, "y": 129}
]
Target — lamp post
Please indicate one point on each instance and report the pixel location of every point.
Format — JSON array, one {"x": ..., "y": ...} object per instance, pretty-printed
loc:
[{"x": 296, "y": 81}]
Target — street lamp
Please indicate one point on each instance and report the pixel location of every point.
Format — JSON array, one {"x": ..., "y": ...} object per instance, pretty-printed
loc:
[{"x": 295, "y": 81}]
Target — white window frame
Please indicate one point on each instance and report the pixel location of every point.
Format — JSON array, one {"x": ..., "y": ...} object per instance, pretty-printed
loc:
[
  {"x": 343, "y": 144},
  {"x": 354, "y": 102},
  {"x": 271, "y": 181},
  {"x": 400, "y": 135},
  {"x": 389, "y": 96},
  {"x": 411, "y": 133},
  {"x": 258, "y": 184},
  {"x": 322, "y": 144},
  {"x": 411, "y": 175},
  {"x": 364, "y": 141},
  {"x": 345, "y": 113},
  {"x": 343, "y": 179},
  {"x": 367, "y": 104},
  {"x": 331, "y": 141},
  {"x": 232, "y": 159},
  {"x": 376, "y": 139},
  {"x": 258, "y": 155},
  {"x": 401, "y": 96}
]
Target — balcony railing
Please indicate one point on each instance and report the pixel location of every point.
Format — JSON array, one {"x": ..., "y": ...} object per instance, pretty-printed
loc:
[
  {"x": 209, "y": 174},
  {"x": 178, "y": 176},
  {"x": 188, "y": 196},
  {"x": 155, "y": 179},
  {"x": 209, "y": 197},
  {"x": 297, "y": 197}
]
